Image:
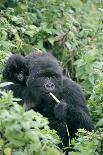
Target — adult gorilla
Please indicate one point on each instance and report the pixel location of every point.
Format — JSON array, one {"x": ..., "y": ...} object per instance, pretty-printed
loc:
[{"x": 45, "y": 76}]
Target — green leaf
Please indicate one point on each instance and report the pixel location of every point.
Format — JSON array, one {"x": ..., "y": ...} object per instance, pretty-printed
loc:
[
  {"x": 100, "y": 123},
  {"x": 7, "y": 151}
]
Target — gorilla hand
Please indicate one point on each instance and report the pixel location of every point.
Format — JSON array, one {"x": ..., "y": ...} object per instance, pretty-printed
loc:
[{"x": 60, "y": 110}]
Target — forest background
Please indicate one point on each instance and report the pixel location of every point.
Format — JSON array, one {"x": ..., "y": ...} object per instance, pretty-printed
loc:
[{"x": 72, "y": 30}]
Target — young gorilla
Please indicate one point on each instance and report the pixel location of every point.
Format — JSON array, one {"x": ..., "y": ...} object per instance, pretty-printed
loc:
[
  {"x": 16, "y": 71},
  {"x": 45, "y": 76}
]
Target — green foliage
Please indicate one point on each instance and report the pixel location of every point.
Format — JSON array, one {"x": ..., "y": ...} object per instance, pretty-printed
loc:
[
  {"x": 96, "y": 103},
  {"x": 88, "y": 143},
  {"x": 3, "y": 57},
  {"x": 24, "y": 133},
  {"x": 67, "y": 28},
  {"x": 73, "y": 31},
  {"x": 89, "y": 68}
]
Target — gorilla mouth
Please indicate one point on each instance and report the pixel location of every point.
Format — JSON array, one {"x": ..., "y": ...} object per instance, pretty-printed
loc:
[
  {"x": 20, "y": 77},
  {"x": 54, "y": 97}
]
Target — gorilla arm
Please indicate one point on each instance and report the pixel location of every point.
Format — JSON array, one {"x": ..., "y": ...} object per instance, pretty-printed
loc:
[
  {"x": 17, "y": 89},
  {"x": 72, "y": 109}
]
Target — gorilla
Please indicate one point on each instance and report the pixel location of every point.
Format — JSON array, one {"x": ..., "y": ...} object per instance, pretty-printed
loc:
[
  {"x": 43, "y": 75},
  {"x": 16, "y": 71}
]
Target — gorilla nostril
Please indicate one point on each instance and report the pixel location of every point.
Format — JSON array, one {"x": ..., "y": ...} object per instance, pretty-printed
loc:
[
  {"x": 47, "y": 86},
  {"x": 50, "y": 86}
]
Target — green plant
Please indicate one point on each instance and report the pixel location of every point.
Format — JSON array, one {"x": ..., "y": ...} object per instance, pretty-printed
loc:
[
  {"x": 68, "y": 29},
  {"x": 88, "y": 143},
  {"x": 96, "y": 103},
  {"x": 88, "y": 70},
  {"x": 3, "y": 57},
  {"x": 24, "y": 133},
  {"x": 73, "y": 31}
]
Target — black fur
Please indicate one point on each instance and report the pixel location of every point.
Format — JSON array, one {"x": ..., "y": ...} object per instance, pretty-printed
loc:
[
  {"x": 14, "y": 67},
  {"x": 16, "y": 71},
  {"x": 71, "y": 110}
]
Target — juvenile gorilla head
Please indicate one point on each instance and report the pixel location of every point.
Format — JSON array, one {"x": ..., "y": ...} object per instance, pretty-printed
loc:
[
  {"x": 15, "y": 69},
  {"x": 45, "y": 75}
]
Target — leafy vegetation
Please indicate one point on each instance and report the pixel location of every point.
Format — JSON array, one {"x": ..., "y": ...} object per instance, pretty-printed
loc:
[
  {"x": 88, "y": 143},
  {"x": 96, "y": 103},
  {"x": 24, "y": 133},
  {"x": 73, "y": 31}
]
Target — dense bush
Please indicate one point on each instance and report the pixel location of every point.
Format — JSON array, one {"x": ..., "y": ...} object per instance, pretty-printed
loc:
[
  {"x": 73, "y": 31},
  {"x": 96, "y": 104},
  {"x": 24, "y": 133},
  {"x": 68, "y": 28},
  {"x": 88, "y": 143}
]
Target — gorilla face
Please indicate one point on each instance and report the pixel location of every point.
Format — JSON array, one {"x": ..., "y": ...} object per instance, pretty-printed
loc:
[
  {"x": 41, "y": 84},
  {"x": 45, "y": 79},
  {"x": 18, "y": 75},
  {"x": 15, "y": 69}
]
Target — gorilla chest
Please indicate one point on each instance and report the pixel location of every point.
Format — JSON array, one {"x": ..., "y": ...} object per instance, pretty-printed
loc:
[{"x": 46, "y": 108}]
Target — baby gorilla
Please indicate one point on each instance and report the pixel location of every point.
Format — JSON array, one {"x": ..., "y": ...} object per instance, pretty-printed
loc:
[
  {"x": 16, "y": 71},
  {"x": 45, "y": 76}
]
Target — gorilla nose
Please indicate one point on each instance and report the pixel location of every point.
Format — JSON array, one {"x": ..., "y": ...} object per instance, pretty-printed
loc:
[{"x": 50, "y": 86}]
